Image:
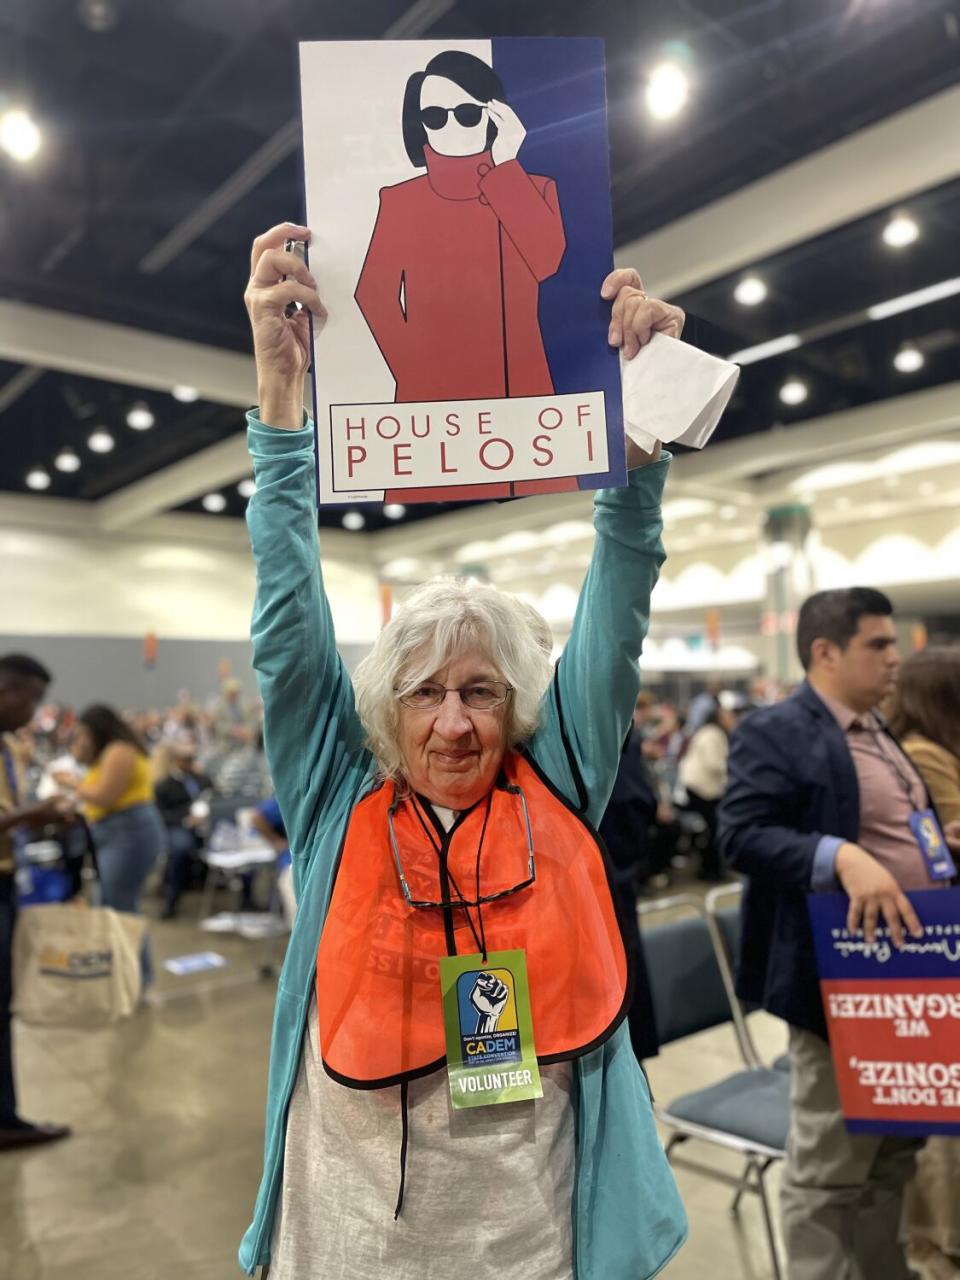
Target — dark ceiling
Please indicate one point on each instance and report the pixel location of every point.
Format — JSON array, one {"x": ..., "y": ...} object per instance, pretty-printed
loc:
[{"x": 146, "y": 120}]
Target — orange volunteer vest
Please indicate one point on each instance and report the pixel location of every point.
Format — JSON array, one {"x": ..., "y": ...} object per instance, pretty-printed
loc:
[{"x": 378, "y": 978}]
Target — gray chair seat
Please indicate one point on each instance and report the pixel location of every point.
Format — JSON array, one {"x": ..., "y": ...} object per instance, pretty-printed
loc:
[{"x": 750, "y": 1105}]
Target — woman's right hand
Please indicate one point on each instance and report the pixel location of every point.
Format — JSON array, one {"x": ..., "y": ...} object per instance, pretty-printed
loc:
[{"x": 281, "y": 343}]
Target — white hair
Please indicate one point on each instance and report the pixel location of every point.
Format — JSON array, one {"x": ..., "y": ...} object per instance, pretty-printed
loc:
[{"x": 437, "y": 623}]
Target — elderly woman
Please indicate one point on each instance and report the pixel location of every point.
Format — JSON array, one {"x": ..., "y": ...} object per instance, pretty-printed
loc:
[{"x": 444, "y": 805}]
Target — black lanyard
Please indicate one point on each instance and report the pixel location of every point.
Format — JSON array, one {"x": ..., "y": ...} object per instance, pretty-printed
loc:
[
  {"x": 480, "y": 938},
  {"x": 890, "y": 759}
]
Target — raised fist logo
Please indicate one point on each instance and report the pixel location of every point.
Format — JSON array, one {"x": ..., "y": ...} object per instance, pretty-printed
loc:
[{"x": 488, "y": 997}]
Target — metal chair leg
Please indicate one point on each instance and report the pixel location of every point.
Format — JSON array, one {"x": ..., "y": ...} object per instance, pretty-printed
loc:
[
  {"x": 767, "y": 1216},
  {"x": 744, "y": 1186},
  {"x": 675, "y": 1140}
]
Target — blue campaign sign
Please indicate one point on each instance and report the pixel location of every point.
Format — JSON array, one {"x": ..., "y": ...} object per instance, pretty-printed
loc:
[
  {"x": 893, "y": 1016},
  {"x": 841, "y": 954}
]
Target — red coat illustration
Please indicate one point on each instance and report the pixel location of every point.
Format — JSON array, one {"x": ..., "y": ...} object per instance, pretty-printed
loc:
[{"x": 450, "y": 290}]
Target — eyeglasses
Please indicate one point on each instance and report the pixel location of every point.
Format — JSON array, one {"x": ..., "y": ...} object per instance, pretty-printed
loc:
[
  {"x": 481, "y": 695},
  {"x": 467, "y": 114},
  {"x": 460, "y": 900}
]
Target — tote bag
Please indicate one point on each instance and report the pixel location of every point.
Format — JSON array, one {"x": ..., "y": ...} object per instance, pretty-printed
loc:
[{"x": 75, "y": 965}]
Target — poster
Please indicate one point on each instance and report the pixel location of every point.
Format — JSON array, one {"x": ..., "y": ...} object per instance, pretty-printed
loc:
[
  {"x": 458, "y": 193},
  {"x": 894, "y": 1016}
]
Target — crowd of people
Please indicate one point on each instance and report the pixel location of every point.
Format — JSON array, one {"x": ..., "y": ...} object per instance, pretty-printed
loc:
[
  {"x": 144, "y": 789},
  {"x": 442, "y": 807}
]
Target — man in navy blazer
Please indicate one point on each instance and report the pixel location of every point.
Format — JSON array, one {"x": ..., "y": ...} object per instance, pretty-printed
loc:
[{"x": 818, "y": 798}]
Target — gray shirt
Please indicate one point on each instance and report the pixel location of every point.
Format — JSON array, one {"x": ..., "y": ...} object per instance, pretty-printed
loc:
[{"x": 488, "y": 1190}]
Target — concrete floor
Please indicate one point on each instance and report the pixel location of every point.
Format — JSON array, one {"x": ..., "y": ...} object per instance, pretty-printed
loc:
[{"x": 160, "y": 1175}]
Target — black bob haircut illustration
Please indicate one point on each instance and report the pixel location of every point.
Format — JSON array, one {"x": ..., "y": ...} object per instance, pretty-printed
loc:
[{"x": 478, "y": 78}]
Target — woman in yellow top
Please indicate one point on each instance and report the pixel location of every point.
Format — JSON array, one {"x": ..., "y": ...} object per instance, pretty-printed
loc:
[
  {"x": 117, "y": 800},
  {"x": 926, "y": 719}
]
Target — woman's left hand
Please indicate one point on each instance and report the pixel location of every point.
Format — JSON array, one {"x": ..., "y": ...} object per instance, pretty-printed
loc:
[
  {"x": 510, "y": 132},
  {"x": 951, "y": 834},
  {"x": 635, "y": 318}
]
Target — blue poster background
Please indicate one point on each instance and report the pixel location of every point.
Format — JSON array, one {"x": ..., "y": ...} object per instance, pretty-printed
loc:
[
  {"x": 558, "y": 89},
  {"x": 844, "y": 955}
]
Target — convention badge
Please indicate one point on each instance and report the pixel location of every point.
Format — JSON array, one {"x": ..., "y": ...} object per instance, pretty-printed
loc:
[
  {"x": 933, "y": 846},
  {"x": 489, "y": 1029}
]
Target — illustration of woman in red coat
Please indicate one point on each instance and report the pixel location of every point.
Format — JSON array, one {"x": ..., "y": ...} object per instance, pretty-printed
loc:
[{"x": 450, "y": 284}]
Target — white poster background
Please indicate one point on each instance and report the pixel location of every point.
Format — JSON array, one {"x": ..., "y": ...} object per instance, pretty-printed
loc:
[{"x": 352, "y": 98}]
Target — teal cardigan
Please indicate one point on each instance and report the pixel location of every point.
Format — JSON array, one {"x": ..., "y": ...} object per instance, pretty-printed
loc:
[{"x": 628, "y": 1219}]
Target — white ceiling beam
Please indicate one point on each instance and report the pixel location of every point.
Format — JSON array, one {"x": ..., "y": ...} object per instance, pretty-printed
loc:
[
  {"x": 220, "y": 464},
  {"x": 117, "y": 353},
  {"x": 915, "y": 416},
  {"x": 21, "y": 513},
  {"x": 908, "y": 152}
]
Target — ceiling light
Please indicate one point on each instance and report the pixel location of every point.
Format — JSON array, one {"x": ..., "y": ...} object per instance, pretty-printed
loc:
[
  {"x": 908, "y": 360},
  {"x": 900, "y": 231},
  {"x": 764, "y": 350},
  {"x": 729, "y": 513},
  {"x": 794, "y": 391},
  {"x": 185, "y": 394},
  {"x": 919, "y": 298},
  {"x": 66, "y": 460},
  {"x": 19, "y": 136},
  {"x": 247, "y": 488},
  {"x": 750, "y": 291},
  {"x": 667, "y": 91},
  {"x": 98, "y": 15},
  {"x": 140, "y": 417},
  {"x": 101, "y": 441},
  {"x": 38, "y": 479},
  {"x": 394, "y": 510},
  {"x": 214, "y": 502},
  {"x": 353, "y": 520}
]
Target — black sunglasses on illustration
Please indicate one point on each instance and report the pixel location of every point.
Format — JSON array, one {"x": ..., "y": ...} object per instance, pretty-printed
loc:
[{"x": 467, "y": 114}]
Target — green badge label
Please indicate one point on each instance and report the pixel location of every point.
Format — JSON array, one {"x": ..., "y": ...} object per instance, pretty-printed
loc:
[{"x": 486, "y": 1014}]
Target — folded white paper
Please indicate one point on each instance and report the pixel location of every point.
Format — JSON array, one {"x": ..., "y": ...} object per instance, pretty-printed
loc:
[{"x": 674, "y": 393}]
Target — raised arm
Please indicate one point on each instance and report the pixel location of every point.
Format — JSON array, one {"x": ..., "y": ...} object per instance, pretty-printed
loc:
[
  {"x": 312, "y": 734},
  {"x": 592, "y": 697},
  {"x": 531, "y": 220}
]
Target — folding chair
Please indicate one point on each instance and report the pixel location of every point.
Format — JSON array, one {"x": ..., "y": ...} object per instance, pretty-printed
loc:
[{"x": 689, "y": 961}]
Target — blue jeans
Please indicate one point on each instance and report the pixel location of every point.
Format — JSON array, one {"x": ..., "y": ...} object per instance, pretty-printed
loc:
[
  {"x": 182, "y": 848},
  {"x": 128, "y": 844}
]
